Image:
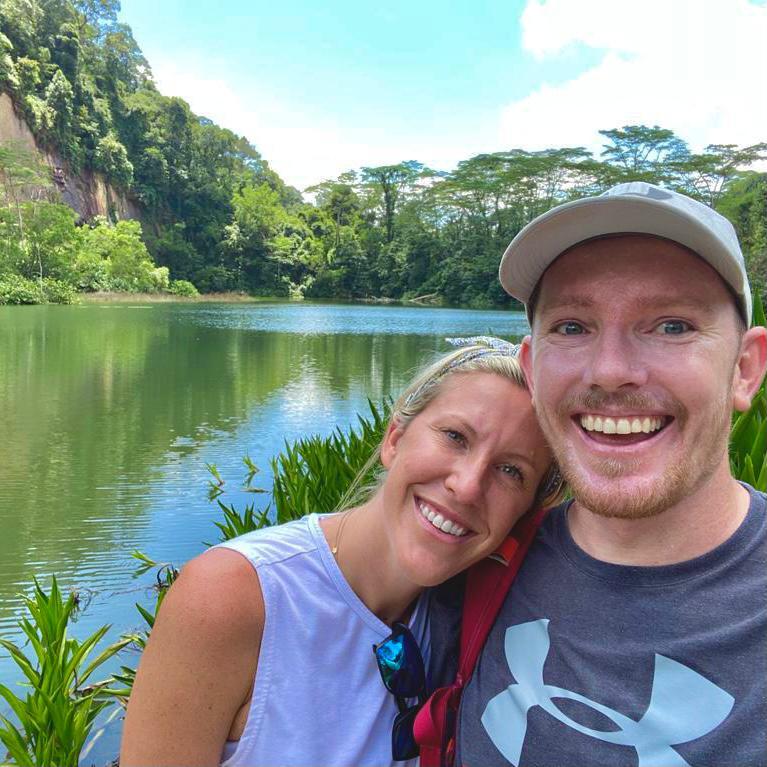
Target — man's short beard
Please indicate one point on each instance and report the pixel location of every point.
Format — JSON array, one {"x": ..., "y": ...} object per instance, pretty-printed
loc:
[
  {"x": 675, "y": 485},
  {"x": 636, "y": 501}
]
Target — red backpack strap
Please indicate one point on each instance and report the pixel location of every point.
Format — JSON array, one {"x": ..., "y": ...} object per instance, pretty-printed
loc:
[{"x": 487, "y": 584}]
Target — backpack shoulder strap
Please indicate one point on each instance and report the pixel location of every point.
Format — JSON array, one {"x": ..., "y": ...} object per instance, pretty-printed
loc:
[{"x": 487, "y": 584}]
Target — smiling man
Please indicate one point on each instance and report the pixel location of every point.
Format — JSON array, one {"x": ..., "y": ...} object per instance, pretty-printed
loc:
[{"x": 636, "y": 631}]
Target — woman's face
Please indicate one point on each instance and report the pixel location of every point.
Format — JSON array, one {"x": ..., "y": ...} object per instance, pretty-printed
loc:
[{"x": 460, "y": 474}]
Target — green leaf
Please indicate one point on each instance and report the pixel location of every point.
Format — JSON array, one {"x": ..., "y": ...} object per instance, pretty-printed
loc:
[{"x": 747, "y": 474}]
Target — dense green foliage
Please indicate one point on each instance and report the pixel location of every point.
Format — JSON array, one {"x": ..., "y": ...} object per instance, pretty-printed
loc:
[
  {"x": 46, "y": 257},
  {"x": 54, "y": 719},
  {"x": 215, "y": 214}
]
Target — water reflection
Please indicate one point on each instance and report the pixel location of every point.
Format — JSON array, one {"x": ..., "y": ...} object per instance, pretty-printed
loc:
[{"x": 108, "y": 415}]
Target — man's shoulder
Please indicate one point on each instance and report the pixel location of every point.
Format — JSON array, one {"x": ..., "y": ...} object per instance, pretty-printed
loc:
[{"x": 758, "y": 497}]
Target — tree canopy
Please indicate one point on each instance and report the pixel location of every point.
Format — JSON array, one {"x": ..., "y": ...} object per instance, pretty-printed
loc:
[{"x": 213, "y": 212}]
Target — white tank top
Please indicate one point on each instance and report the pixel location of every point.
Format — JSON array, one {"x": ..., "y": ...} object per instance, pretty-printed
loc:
[{"x": 318, "y": 698}]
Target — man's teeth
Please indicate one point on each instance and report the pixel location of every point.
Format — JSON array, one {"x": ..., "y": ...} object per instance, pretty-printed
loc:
[
  {"x": 608, "y": 425},
  {"x": 440, "y": 522}
]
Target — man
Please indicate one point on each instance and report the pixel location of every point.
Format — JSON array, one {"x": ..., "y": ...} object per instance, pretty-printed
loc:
[{"x": 636, "y": 630}]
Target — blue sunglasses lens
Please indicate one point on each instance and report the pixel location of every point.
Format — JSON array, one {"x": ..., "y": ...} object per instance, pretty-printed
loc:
[
  {"x": 401, "y": 665},
  {"x": 400, "y": 662}
]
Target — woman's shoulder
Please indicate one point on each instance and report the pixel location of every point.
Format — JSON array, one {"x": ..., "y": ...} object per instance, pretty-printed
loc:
[
  {"x": 219, "y": 592},
  {"x": 198, "y": 667},
  {"x": 276, "y": 543}
]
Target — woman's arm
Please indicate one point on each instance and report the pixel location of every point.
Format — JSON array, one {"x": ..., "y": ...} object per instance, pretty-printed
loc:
[{"x": 198, "y": 667}]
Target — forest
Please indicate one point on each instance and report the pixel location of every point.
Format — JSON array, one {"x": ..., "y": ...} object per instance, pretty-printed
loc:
[{"x": 214, "y": 217}]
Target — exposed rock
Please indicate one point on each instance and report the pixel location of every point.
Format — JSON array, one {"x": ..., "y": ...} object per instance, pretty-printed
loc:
[{"x": 85, "y": 192}]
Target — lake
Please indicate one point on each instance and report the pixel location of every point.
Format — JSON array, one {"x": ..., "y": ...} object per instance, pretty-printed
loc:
[{"x": 109, "y": 414}]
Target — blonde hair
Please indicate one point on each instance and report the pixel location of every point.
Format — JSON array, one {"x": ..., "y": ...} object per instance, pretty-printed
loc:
[{"x": 424, "y": 388}]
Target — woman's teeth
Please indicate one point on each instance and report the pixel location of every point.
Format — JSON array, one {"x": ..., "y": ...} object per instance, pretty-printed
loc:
[
  {"x": 439, "y": 521},
  {"x": 608, "y": 425}
]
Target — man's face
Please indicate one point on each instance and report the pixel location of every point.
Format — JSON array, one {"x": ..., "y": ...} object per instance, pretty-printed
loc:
[{"x": 633, "y": 363}]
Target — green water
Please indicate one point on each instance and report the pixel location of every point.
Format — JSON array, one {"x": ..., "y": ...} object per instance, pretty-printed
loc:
[{"x": 109, "y": 413}]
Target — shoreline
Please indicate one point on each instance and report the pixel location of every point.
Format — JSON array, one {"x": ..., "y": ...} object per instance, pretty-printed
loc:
[
  {"x": 167, "y": 298},
  {"x": 429, "y": 301}
]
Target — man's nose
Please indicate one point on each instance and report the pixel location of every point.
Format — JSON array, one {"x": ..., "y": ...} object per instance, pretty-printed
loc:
[
  {"x": 465, "y": 481},
  {"x": 614, "y": 361}
]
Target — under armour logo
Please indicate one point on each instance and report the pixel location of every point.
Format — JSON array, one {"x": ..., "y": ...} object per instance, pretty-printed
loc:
[{"x": 683, "y": 704}]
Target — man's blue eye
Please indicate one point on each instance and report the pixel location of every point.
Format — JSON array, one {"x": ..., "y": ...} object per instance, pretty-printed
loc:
[
  {"x": 569, "y": 328},
  {"x": 673, "y": 327}
]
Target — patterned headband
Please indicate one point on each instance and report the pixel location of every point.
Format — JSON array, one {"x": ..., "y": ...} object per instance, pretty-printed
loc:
[{"x": 490, "y": 345}]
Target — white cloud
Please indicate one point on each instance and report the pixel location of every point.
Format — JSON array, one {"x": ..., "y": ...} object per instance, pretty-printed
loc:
[
  {"x": 304, "y": 148},
  {"x": 300, "y": 149},
  {"x": 695, "y": 66}
]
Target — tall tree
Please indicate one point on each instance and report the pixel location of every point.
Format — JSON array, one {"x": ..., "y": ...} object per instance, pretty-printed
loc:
[
  {"x": 390, "y": 180},
  {"x": 641, "y": 152},
  {"x": 707, "y": 174}
]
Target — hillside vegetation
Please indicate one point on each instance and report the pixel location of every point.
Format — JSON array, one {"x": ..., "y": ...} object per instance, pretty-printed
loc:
[{"x": 213, "y": 213}]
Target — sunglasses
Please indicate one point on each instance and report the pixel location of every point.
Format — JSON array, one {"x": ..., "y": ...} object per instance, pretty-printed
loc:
[{"x": 401, "y": 665}]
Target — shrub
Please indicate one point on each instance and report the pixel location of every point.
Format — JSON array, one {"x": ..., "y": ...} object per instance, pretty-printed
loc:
[
  {"x": 15, "y": 289},
  {"x": 183, "y": 288},
  {"x": 111, "y": 159},
  {"x": 160, "y": 278},
  {"x": 91, "y": 273},
  {"x": 326, "y": 284},
  {"x": 58, "y": 291},
  {"x": 315, "y": 473},
  {"x": 214, "y": 279},
  {"x": 9, "y": 76},
  {"x": 115, "y": 258},
  {"x": 29, "y": 74},
  {"x": 38, "y": 114}
]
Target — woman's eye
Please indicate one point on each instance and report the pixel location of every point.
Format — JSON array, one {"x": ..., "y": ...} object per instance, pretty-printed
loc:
[
  {"x": 569, "y": 328},
  {"x": 673, "y": 327},
  {"x": 454, "y": 436},
  {"x": 510, "y": 470}
]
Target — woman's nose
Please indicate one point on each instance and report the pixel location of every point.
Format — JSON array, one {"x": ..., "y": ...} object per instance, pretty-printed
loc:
[{"x": 465, "y": 480}]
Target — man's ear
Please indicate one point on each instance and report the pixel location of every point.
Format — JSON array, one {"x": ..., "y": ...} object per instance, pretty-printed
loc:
[
  {"x": 389, "y": 445},
  {"x": 749, "y": 368},
  {"x": 526, "y": 362}
]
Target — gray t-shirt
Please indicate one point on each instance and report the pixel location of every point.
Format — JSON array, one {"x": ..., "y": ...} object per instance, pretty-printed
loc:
[{"x": 591, "y": 664}]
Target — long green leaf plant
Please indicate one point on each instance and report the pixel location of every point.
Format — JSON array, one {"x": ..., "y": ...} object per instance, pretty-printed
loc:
[{"x": 50, "y": 725}]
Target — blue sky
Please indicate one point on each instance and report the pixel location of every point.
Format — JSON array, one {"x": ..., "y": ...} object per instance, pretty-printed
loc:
[{"x": 321, "y": 88}]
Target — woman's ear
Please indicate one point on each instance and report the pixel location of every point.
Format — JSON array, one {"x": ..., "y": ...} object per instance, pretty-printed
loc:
[{"x": 389, "y": 445}]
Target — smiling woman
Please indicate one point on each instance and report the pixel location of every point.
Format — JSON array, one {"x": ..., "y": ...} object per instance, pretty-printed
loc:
[{"x": 261, "y": 638}]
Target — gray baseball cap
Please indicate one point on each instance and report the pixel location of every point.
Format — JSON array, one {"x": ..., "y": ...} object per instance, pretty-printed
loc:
[{"x": 633, "y": 208}]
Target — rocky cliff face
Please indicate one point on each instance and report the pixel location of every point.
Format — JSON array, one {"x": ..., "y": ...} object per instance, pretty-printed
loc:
[{"x": 85, "y": 192}]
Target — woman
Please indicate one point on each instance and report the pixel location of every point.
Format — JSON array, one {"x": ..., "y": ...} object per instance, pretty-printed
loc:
[{"x": 261, "y": 652}]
